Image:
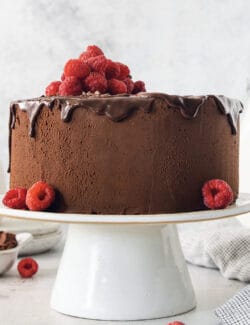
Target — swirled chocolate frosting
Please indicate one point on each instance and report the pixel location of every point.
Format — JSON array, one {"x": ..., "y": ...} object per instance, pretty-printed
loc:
[{"x": 7, "y": 240}]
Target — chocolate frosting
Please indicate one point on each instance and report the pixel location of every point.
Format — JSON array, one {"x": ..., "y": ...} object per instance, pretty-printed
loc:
[
  {"x": 120, "y": 107},
  {"x": 7, "y": 240}
]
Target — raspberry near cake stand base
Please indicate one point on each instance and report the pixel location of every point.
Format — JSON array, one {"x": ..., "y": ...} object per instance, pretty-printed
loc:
[{"x": 124, "y": 267}]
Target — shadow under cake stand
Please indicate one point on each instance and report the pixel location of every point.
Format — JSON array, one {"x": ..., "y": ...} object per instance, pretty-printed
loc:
[{"x": 124, "y": 267}]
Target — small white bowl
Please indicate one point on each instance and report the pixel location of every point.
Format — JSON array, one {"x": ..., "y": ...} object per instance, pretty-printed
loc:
[{"x": 9, "y": 256}]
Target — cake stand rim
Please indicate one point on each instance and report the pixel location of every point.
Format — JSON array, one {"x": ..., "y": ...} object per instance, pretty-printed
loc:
[{"x": 241, "y": 206}]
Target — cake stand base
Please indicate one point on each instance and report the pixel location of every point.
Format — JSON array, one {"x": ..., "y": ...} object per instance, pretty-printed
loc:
[{"x": 122, "y": 272}]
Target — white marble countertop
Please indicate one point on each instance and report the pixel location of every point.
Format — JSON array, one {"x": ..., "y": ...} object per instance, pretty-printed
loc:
[{"x": 27, "y": 301}]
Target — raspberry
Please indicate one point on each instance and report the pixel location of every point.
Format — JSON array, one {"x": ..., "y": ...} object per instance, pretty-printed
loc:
[
  {"x": 116, "y": 86},
  {"x": 124, "y": 71},
  {"x": 94, "y": 50},
  {"x": 112, "y": 69},
  {"x": 15, "y": 198},
  {"x": 139, "y": 86},
  {"x": 84, "y": 56},
  {"x": 53, "y": 88},
  {"x": 217, "y": 194},
  {"x": 176, "y": 322},
  {"x": 130, "y": 85},
  {"x": 27, "y": 267},
  {"x": 103, "y": 65},
  {"x": 63, "y": 76},
  {"x": 95, "y": 82},
  {"x": 98, "y": 63},
  {"x": 91, "y": 51},
  {"x": 40, "y": 196},
  {"x": 76, "y": 68},
  {"x": 70, "y": 86}
]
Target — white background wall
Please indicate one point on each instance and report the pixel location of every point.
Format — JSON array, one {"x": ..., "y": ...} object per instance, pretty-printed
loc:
[{"x": 176, "y": 46}]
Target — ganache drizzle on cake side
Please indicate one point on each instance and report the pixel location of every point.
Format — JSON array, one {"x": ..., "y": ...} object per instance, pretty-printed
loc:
[{"x": 119, "y": 107}]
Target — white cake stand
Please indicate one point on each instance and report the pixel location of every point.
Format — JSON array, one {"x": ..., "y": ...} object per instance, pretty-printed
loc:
[{"x": 124, "y": 267}]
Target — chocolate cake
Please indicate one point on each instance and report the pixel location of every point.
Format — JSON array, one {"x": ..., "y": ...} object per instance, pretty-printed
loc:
[{"x": 125, "y": 154}]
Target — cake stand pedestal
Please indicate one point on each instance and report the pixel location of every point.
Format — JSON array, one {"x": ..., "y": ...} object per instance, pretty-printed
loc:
[
  {"x": 122, "y": 272},
  {"x": 124, "y": 267}
]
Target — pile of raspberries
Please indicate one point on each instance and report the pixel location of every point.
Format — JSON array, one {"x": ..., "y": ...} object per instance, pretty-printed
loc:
[{"x": 93, "y": 72}]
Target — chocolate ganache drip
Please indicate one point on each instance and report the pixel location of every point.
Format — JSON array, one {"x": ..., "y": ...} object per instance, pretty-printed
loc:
[
  {"x": 231, "y": 108},
  {"x": 120, "y": 107}
]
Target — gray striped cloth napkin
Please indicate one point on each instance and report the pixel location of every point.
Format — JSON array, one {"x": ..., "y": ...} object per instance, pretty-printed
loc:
[
  {"x": 222, "y": 244},
  {"x": 236, "y": 311},
  {"x": 225, "y": 245}
]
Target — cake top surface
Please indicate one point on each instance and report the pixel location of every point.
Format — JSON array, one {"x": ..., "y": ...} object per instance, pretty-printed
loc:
[
  {"x": 93, "y": 81},
  {"x": 119, "y": 107}
]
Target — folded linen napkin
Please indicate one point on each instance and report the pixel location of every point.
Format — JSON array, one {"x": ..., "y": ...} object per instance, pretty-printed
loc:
[
  {"x": 236, "y": 310},
  {"x": 222, "y": 244}
]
